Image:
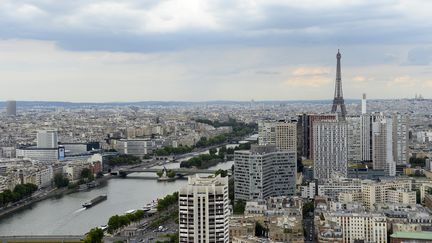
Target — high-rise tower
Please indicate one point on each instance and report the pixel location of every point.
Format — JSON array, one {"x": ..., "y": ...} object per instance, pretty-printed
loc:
[{"x": 338, "y": 96}]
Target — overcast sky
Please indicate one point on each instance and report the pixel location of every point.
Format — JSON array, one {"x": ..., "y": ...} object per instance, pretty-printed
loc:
[{"x": 196, "y": 50}]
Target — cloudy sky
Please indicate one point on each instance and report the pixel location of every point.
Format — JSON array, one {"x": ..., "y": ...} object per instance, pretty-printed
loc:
[{"x": 197, "y": 50}]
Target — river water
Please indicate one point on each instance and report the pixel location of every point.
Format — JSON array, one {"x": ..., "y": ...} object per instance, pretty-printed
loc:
[{"x": 66, "y": 216}]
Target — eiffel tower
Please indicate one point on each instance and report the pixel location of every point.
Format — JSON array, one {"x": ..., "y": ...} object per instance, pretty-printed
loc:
[{"x": 338, "y": 96}]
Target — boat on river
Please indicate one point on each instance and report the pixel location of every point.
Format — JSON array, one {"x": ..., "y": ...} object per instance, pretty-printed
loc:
[{"x": 95, "y": 201}]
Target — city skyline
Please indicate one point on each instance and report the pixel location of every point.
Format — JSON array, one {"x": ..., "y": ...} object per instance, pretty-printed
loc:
[{"x": 197, "y": 51}]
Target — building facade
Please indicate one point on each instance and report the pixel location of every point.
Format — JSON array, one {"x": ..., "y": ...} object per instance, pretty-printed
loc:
[
  {"x": 204, "y": 211},
  {"x": 382, "y": 146},
  {"x": 47, "y": 139},
  {"x": 11, "y": 108},
  {"x": 263, "y": 172},
  {"x": 282, "y": 134},
  {"x": 330, "y": 149},
  {"x": 363, "y": 227},
  {"x": 400, "y": 138},
  {"x": 354, "y": 138}
]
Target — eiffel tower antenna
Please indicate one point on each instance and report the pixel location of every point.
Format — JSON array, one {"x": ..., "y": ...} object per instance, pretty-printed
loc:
[{"x": 338, "y": 95}]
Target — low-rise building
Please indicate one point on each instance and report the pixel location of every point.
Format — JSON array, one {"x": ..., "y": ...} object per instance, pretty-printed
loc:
[
  {"x": 411, "y": 237},
  {"x": 367, "y": 227}
]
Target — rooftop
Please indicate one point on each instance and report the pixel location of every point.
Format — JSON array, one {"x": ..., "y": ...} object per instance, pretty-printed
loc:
[{"x": 413, "y": 235}]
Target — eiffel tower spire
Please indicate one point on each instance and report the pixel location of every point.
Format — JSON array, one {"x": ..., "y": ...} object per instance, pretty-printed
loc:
[{"x": 338, "y": 95}]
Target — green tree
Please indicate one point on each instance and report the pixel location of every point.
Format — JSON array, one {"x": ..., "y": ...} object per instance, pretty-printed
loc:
[
  {"x": 19, "y": 192},
  {"x": 86, "y": 174},
  {"x": 167, "y": 201},
  {"x": 123, "y": 159},
  {"x": 239, "y": 207},
  {"x": 308, "y": 207},
  {"x": 95, "y": 235},
  {"x": 212, "y": 151},
  {"x": 99, "y": 174},
  {"x": 159, "y": 173},
  {"x": 60, "y": 180},
  {"x": 171, "y": 174}
]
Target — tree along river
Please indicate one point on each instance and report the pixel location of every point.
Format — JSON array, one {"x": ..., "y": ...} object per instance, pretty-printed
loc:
[{"x": 66, "y": 216}]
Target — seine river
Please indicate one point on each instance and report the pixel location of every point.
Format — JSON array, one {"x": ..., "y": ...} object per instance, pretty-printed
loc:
[{"x": 66, "y": 216}]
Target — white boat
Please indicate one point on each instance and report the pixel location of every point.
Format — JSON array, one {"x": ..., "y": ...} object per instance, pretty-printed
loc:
[
  {"x": 149, "y": 206},
  {"x": 130, "y": 211}
]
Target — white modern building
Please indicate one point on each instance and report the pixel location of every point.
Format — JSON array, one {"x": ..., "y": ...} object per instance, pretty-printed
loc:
[
  {"x": 263, "y": 172},
  {"x": 47, "y": 139},
  {"x": 364, "y": 104},
  {"x": 204, "y": 210},
  {"x": 135, "y": 147},
  {"x": 39, "y": 154},
  {"x": 382, "y": 146},
  {"x": 330, "y": 149},
  {"x": 400, "y": 138}
]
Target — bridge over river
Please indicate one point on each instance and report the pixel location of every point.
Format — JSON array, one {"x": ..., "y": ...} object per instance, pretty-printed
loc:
[{"x": 183, "y": 171}]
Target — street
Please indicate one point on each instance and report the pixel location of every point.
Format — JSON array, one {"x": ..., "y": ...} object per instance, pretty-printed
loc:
[{"x": 308, "y": 223}]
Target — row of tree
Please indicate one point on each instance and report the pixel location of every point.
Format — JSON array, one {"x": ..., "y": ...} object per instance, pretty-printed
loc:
[
  {"x": 123, "y": 159},
  {"x": 205, "y": 142},
  {"x": 202, "y": 161},
  {"x": 239, "y": 129},
  {"x": 167, "y": 201},
  {"x": 118, "y": 221},
  {"x": 60, "y": 180},
  {"x": 19, "y": 192},
  {"x": 95, "y": 235},
  {"x": 169, "y": 150}
]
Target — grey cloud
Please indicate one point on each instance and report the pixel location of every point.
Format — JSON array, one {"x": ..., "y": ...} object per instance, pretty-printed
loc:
[
  {"x": 419, "y": 56},
  {"x": 276, "y": 25},
  {"x": 264, "y": 72}
]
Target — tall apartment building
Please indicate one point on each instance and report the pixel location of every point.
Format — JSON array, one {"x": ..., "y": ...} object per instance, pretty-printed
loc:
[
  {"x": 364, "y": 104},
  {"x": 366, "y": 137},
  {"x": 263, "y": 172},
  {"x": 305, "y": 136},
  {"x": 360, "y": 227},
  {"x": 47, "y": 139},
  {"x": 330, "y": 148},
  {"x": 354, "y": 139},
  {"x": 204, "y": 211},
  {"x": 366, "y": 134},
  {"x": 11, "y": 108},
  {"x": 382, "y": 146},
  {"x": 400, "y": 138},
  {"x": 282, "y": 134}
]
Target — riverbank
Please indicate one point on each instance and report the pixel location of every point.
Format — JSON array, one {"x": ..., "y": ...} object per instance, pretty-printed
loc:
[
  {"x": 64, "y": 215},
  {"x": 56, "y": 192}
]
